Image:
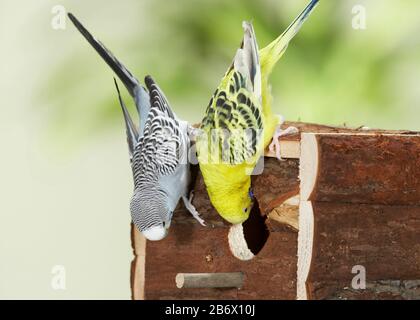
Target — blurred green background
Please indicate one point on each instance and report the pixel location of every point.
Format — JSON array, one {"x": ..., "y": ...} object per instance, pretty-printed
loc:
[{"x": 65, "y": 177}]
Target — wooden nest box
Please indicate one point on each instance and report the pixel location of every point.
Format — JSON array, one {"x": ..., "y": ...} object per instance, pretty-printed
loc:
[{"x": 342, "y": 203}]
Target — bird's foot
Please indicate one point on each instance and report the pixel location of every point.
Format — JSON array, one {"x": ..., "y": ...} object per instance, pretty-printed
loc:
[
  {"x": 190, "y": 207},
  {"x": 278, "y": 133}
]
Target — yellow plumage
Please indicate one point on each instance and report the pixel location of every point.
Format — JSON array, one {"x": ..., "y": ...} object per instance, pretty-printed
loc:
[{"x": 239, "y": 123}]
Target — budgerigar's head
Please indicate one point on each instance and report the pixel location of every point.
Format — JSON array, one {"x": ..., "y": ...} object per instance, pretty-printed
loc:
[
  {"x": 235, "y": 206},
  {"x": 150, "y": 215}
]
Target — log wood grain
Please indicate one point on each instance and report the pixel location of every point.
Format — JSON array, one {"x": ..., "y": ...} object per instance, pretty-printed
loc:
[
  {"x": 375, "y": 290},
  {"x": 361, "y": 220},
  {"x": 362, "y": 168},
  {"x": 191, "y": 248},
  {"x": 194, "y": 249},
  {"x": 278, "y": 182},
  {"x": 385, "y": 240}
]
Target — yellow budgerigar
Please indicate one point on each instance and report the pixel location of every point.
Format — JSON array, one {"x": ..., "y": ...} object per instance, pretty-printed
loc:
[{"x": 239, "y": 123}]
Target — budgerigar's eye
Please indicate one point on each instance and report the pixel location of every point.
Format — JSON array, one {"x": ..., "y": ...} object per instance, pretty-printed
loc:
[{"x": 246, "y": 209}]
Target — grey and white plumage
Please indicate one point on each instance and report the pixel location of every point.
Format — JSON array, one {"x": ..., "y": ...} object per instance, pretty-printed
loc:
[{"x": 158, "y": 149}]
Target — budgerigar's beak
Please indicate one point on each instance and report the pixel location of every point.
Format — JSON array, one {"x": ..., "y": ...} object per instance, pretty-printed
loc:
[{"x": 155, "y": 233}]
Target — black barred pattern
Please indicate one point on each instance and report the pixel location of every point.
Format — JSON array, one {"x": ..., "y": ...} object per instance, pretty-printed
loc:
[
  {"x": 157, "y": 153},
  {"x": 235, "y": 114},
  {"x": 158, "y": 150},
  {"x": 149, "y": 201}
]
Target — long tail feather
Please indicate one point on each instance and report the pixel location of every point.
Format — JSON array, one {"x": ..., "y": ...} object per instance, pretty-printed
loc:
[
  {"x": 251, "y": 56},
  {"x": 273, "y": 52},
  {"x": 122, "y": 72},
  {"x": 132, "y": 134}
]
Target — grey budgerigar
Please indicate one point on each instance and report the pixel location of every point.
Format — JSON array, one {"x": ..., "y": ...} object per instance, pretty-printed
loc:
[{"x": 158, "y": 150}]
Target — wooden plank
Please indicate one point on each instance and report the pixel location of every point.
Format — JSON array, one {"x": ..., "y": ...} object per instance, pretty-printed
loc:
[
  {"x": 374, "y": 290},
  {"x": 190, "y": 248},
  {"x": 335, "y": 237},
  {"x": 290, "y": 145},
  {"x": 361, "y": 168},
  {"x": 278, "y": 182}
]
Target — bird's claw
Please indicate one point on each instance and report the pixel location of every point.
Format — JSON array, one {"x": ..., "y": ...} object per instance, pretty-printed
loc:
[
  {"x": 190, "y": 207},
  {"x": 275, "y": 143}
]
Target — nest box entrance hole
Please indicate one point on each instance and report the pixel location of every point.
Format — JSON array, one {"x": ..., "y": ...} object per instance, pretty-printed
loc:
[{"x": 247, "y": 240}]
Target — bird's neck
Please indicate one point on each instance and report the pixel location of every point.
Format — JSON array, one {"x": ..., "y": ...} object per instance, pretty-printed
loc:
[{"x": 234, "y": 177}]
